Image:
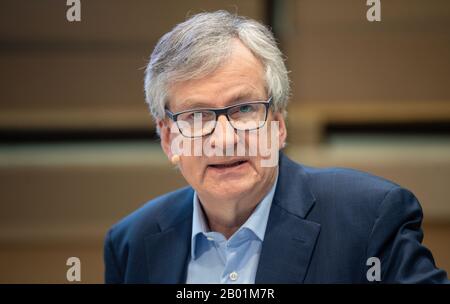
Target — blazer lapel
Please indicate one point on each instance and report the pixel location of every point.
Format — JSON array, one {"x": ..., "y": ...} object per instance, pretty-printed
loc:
[
  {"x": 289, "y": 239},
  {"x": 168, "y": 251}
]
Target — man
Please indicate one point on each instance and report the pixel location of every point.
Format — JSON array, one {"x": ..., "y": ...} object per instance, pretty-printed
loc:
[{"x": 216, "y": 85}]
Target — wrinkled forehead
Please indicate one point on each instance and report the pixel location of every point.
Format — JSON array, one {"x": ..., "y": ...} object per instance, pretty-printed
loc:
[
  {"x": 240, "y": 78},
  {"x": 237, "y": 94}
]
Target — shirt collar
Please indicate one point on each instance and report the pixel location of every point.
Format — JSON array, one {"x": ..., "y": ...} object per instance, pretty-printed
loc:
[{"x": 257, "y": 222}]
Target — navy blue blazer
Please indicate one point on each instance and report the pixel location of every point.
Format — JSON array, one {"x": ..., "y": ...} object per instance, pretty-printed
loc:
[{"x": 324, "y": 225}]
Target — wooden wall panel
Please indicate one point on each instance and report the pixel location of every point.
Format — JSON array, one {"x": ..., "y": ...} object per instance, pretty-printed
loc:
[
  {"x": 336, "y": 55},
  {"x": 52, "y": 71},
  {"x": 116, "y": 21}
]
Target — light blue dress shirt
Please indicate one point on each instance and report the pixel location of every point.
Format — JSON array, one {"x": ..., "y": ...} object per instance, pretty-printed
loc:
[{"x": 214, "y": 259}]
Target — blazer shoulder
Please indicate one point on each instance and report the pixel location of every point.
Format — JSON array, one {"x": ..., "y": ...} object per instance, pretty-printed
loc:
[
  {"x": 345, "y": 176},
  {"x": 349, "y": 185},
  {"x": 146, "y": 219}
]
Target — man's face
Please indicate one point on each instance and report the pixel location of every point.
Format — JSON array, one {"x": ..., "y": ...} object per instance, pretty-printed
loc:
[{"x": 240, "y": 79}]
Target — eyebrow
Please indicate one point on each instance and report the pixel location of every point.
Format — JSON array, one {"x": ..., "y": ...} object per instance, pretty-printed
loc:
[{"x": 240, "y": 97}]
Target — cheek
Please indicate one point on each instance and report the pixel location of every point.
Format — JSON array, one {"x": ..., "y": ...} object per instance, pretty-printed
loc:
[
  {"x": 192, "y": 169},
  {"x": 258, "y": 171},
  {"x": 254, "y": 143},
  {"x": 262, "y": 142}
]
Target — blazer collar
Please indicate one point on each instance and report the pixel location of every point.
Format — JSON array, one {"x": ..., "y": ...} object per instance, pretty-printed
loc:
[
  {"x": 290, "y": 238},
  {"x": 293, "y": 193},
  {"x": 168, "y": 251}
]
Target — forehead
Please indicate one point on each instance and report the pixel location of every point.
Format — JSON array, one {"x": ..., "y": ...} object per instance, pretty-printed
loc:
[{"x": 240, "y": 78}]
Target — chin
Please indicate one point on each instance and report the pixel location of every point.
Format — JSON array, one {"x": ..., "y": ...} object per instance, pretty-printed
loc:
[{"x": 230, "y": 189}]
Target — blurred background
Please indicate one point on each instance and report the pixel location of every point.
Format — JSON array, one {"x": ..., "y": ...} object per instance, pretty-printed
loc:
[{"x": 78, "y": 149}]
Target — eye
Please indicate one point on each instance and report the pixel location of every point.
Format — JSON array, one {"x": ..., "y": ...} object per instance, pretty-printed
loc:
[{"x": 245, "y": 109}]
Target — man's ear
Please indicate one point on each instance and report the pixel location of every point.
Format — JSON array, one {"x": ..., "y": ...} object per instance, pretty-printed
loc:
[
  {"x": 164, "y": 134},
  {"x": 282, "y": 131}
]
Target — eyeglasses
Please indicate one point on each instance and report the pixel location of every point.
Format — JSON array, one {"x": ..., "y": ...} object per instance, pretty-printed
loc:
[{"x": 202, "y": 122}]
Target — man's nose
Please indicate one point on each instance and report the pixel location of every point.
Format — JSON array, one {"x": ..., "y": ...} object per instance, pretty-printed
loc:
[{"x": 224, "y": 133}]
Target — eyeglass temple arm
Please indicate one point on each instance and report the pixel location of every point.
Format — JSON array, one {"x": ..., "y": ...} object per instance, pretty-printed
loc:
[{"x": 170, "y": 114}]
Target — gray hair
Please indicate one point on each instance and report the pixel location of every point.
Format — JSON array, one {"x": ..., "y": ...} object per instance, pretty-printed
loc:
[{"x": 198, "y": 46}]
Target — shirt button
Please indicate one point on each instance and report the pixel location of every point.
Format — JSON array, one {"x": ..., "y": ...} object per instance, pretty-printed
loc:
[
  {"x": 210, "y": 238},
  {"x": 233, "y": 276}
]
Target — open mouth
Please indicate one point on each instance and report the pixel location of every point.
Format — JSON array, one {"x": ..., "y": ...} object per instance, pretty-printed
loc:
[{"x": 229, "y": 165}]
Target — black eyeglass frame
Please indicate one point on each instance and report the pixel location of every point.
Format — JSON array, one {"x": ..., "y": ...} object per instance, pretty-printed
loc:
[{"x": 218, "y": 112}]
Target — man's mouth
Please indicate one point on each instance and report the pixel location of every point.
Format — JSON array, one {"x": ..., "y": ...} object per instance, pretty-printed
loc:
[{"x": 229, "y": 165}]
